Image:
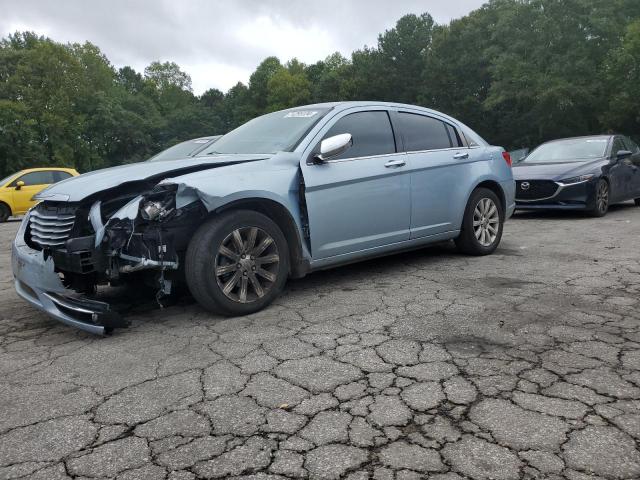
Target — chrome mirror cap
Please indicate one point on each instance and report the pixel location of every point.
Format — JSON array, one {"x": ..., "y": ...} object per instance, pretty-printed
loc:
[{"x": 332, "y": 146}]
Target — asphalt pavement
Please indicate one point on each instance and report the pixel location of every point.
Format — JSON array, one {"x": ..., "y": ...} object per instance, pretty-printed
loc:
[{"x": 428, "y": 364}]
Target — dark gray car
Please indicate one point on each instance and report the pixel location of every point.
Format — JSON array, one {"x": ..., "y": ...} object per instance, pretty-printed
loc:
[{"x": 584, "y": 173}]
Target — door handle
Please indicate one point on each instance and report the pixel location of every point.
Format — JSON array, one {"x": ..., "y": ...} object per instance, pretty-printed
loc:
[
  {"x": 395, "y": 163},
  {"x": 460, "y": 156}
]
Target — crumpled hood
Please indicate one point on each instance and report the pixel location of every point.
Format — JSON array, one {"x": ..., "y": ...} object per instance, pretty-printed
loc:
[
  {"x": 553, "y": 171},
  {"x": 77, "y": 188}
]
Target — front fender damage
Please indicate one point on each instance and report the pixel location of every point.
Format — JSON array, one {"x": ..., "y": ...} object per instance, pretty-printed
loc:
[{"x": 134, "y": 236}]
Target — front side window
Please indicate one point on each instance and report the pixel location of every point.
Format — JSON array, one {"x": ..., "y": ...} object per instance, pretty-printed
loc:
[
  {"x": 424, "y": 133},
  {"x": 631, "y": 145},
  {"x": 618, "y": 145},
  {"x": 371, "y": 132},
  {"x": 35, "y": 178}
]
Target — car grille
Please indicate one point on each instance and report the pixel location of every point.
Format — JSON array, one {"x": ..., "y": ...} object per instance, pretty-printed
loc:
[
  {"x": 537, "y": 189},
  {"x": 49, "y": 226}
]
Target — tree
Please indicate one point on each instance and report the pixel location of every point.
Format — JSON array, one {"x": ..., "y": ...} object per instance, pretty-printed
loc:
[
  {"x": 286, "y": 89},
  {"x": 258, "y": 83},
  {"x": 166, "y": 75},
  {"x": 623, "y": 75},
  {"x": 517, "y": 71}
]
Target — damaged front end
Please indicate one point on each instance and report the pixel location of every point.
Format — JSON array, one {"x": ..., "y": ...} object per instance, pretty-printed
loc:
[{"x": 118, "y": 237}]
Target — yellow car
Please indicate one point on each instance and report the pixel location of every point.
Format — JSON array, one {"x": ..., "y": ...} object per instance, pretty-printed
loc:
[{"x": 17, "y": 190}]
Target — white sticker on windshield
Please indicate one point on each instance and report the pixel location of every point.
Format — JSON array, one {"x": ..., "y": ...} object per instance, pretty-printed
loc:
[{"x": 301, "y": 114}]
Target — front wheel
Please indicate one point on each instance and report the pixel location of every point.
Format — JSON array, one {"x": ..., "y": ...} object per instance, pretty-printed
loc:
[
  {"x": 601, "y": 201},
  {"x": 5, "y": 213},
  {"x": 482, "y": 224},
  {"x": 237, "y": 263}
]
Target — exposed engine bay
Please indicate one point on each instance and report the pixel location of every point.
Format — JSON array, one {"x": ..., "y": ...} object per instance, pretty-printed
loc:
[{"x": 103, "y": 241}]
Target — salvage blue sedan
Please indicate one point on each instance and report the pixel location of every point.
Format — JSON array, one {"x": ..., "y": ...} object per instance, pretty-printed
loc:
[{"x": 285, "y": 194}]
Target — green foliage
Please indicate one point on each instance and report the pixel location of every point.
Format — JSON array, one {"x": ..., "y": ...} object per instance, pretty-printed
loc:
[
  {"x": 167, "y": 75},
  {"x": 623, "y": 74},
  {"x": 518, "y": 71}
]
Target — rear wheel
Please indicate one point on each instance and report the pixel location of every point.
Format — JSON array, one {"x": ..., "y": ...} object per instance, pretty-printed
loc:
[
  {"x": 482, "y": 224},
  {"x": 237, "y": 263},
  {"x": 601, "y": 201},
  {"x": 5, "y": 213}
]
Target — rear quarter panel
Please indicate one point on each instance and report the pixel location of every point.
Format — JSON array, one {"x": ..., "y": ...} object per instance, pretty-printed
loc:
[{"x": 447, "y": 189}]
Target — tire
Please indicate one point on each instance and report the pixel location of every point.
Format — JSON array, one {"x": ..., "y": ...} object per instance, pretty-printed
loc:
[
  {"x": 637, "y": 202},
  {"x": 214, "y": 260},
  {"x": 484, "y": 213},
  {"x": 5, "y": 212},
  {"x": 601, "y": 200}
]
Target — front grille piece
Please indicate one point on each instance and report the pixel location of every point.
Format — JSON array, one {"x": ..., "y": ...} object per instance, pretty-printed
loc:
[
  {"x": 50, "y": 230},
  {"x": 533, "y": 190}
]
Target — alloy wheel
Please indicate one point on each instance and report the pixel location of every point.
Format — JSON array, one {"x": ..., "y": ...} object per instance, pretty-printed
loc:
[
  {"x": 486, "y": 222},
  {"x": 602, "y": 197},
  {"x": 246, "y": 265}
]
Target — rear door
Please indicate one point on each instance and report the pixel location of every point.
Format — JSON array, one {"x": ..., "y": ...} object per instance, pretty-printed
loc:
[
  {"x": 360, "y": 199},
  {"x": 440, "y": 172}
]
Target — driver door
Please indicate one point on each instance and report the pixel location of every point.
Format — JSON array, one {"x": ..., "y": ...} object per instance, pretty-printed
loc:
[
  {"x": 621, "y": 173},
  {"x": 360, "y": 199},
  {"x": 34, "y": 182}
]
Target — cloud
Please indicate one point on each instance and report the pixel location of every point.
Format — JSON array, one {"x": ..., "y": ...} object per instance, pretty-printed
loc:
[{"x": 218, "y": 42}]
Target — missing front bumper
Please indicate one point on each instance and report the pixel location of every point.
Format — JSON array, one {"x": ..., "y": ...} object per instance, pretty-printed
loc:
[
  {"x": 38, "y": 284},
  {"x": 82, "y": 313}
]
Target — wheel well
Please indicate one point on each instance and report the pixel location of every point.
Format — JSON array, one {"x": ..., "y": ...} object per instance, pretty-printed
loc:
[
  {"x": 8, "y": 207},
  {"x": 495, "y": 188},
  {"x": 281, "y": 216}
]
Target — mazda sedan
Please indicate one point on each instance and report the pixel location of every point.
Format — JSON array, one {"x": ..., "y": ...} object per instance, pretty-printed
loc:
[
  {"x": 284, "y": 195},
  {"x": 586, "y": 173}
]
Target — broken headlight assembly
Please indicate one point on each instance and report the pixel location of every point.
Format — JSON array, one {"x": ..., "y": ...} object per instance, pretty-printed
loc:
[{"x": 158, "y": 209}]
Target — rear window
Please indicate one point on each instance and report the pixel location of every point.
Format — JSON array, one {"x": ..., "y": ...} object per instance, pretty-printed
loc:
[{"x": 425, "y": 133}]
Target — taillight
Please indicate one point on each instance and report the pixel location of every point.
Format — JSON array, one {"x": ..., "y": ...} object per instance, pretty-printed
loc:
[{"x": 507, "y": 158}]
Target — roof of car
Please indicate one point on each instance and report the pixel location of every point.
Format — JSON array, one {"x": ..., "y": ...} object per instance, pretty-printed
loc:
[
  {"x": 373, "y": 103},
  {"x": 40, "y": 169},
  {"x": 585, "y": 137},
  {"x": 212, "y": 137},
  {"x": 361, "y": 103}
]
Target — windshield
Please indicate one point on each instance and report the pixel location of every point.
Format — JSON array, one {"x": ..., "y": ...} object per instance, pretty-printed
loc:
[
  {"x": 184, "y": 149},
  {"x": 6, "y": 180},
  {"x": 271, "y": 133},
  {"x": 573, "y": 150}
]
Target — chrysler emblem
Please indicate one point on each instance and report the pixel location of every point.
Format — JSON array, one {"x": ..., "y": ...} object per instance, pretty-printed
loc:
[{"x": 525, "y": 185}]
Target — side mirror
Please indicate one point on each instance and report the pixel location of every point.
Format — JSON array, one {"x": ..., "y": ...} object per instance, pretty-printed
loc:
[
  {"x": 19, "y": 184},
  {"x": 622, "y": 154},
  {"x": 332, "y": 146}
]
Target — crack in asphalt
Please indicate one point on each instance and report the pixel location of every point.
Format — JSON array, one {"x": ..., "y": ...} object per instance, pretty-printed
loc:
[{"x": 521, "y": 365}]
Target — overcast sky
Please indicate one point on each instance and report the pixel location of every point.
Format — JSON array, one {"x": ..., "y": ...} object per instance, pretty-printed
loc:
[{"x": 218, "y": 42}]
